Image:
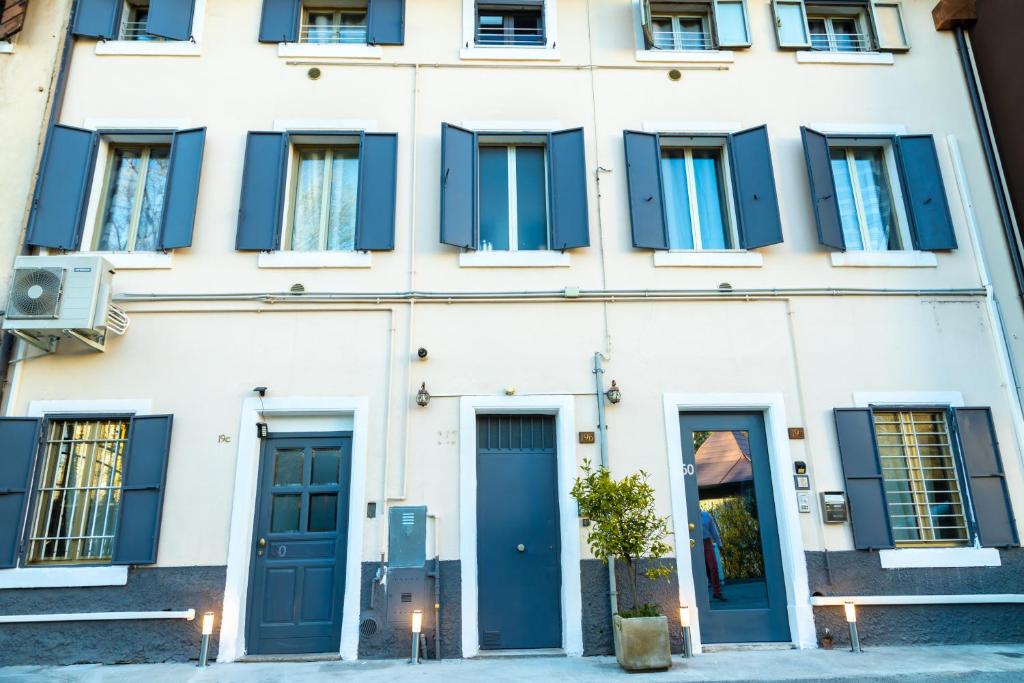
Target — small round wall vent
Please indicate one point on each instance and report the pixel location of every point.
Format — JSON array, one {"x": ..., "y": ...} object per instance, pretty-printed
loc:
[
  {"x": 674, "y": 74},
  {"x": 313, "y": 73},
  {"x": 368, "y": 627},
  {"x": 297, "y": 288}
]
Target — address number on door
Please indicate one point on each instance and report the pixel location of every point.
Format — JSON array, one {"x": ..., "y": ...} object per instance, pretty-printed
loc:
[{"x": 688, "y": 470}]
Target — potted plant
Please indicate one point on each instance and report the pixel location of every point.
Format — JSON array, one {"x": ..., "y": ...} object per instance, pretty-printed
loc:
[{"x": 625, "y": 526}]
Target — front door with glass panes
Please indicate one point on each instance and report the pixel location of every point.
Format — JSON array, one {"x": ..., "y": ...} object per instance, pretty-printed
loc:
[
  {"x": 325, "y": 187},
  {"x": 733, "y": 530},
  {"x": 300, "y": 535},
  {"x": 513, "y": 197}
]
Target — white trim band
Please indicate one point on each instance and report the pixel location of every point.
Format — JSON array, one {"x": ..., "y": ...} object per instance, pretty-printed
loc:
[
  {"x": 188, "y": 615},
  {"x": 859, "y": 600},
  {"x": 928, "y": 558},
  {"x": 63, "y": 577}
]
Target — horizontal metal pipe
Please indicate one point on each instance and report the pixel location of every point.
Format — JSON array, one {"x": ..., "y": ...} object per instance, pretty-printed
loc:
[
  {"x": 532, "y": 66},
  {"x": 188, "y": 615},
  {"x": 981, "y": 599}
]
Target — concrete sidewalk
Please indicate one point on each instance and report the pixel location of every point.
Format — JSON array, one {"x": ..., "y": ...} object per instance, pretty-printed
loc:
[{"x": 948, "y": 663}]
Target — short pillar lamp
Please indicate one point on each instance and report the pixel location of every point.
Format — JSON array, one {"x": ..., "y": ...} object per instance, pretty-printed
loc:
[
  {"x": 851, "y": 619},
  {"x": 684, "y": 622},
  {"x": 204, "y": 646},
  {"x": 422, "y": 396},
  {"x": 614, "y": 394},
  {"x": 417, "y": 626}
]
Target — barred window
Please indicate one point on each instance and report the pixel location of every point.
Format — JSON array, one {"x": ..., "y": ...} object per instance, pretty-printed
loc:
[
  {"x": 78, "y": 492},
  {"x": 922, "y": 488}
]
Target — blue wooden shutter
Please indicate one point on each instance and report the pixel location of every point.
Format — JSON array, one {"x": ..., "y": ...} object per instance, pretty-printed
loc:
[
  {"x": 924, "y": 193},
  {"x": 142, "y": 490},
  {"x": 570, "y": 219},
  {"x": 993, "y": 514},
  {"x": 261, "y": 206},
  {"x": 823, "y": 189},
  {"x": 171, "y": 19},
  {"x": 646, "y": 193},
  {"x": 97, "y": 18},
  {"x": 20, "y": 439},
  {"x": 386, "y": 22},
  {"x": 280, "y": 21},
  {"x": 186, "y": 162},
  {"x": 865, "y": 490},
  {"x": 458, "y": 186},
  {"x": 753, "y": 178},
  {"x": 62, "y": 190},
  {"x": 378, "y": 169}
]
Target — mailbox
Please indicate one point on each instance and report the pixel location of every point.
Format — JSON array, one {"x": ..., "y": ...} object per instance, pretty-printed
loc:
[{"x": 833, "y": 507}]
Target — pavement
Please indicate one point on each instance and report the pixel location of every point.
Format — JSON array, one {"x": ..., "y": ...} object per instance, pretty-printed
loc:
[{"x": 965, "y": 664}]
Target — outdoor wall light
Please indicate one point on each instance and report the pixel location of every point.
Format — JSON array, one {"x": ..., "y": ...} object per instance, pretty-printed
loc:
[
  {"x": 204, "y": 646},
  {"x": 851, "y": 619},
  {"x": 684, "y": 621},
  {"x": 417, "y": 626},
  {"x": 262, "y": 430},
  {"x": 614, "y": 394},
  {"x": 422, "y": 396}
]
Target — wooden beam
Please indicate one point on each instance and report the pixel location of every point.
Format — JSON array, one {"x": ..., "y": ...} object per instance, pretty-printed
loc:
[{"x": 949, "y": 14}]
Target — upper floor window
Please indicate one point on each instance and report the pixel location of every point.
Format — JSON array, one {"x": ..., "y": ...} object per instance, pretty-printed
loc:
[
  {"x": 694, "y": 25},
  {"x": 681, "y": 32},
  {"x": 345, "y": 23},
  {"x": 333, "y": 22},
  {"x": 513, "y": 197},
  {"x": 697, "y": 202},
  {"x": 510, "y": 24},
  {"x": 132, "y": 210},
  {"x": 839, "y": 32},
  {"x": 323, "y": 201},
  {"x": 864, "y": 191},
  {"x": 135, "y": 20},
  {"x": 840, "y": 26}
]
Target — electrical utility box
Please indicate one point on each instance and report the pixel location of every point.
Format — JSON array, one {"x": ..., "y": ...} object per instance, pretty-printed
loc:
[{"x": 409, "y": 586}]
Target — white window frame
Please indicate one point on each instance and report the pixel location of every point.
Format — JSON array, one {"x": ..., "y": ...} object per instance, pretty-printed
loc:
[
  {"x": 675, "y": 19},
  {"x": 688, "y": 144},
  {"x": 160, "y": 48},
  {"x": 511, "y": 144},
  {"x": 547, "y": 52},
  {"x": 337, "y": 9},
  {"x": 714, "y": 54},
  {"x": 330, "y": 144},
  {"x": 860, "y": 23},
  {"x": 146, "y": 148}
]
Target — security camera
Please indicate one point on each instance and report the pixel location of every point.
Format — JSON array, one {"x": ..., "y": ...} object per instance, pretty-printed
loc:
[{"x": 422, "y": 353}]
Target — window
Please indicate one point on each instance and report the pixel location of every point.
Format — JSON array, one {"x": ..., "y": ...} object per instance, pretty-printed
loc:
[
  {"x": 134, "y": 21},
  {"x": 78, "y": 492},
  {"x": 681, "y": 32},
  {"x": 513, "y": 197},
  {"x": 864, "y": 193},
  {"x": 342, "y": 24},
  {"x": 697, "y": 206},
  {"x": 499, "y": 24},
  {"x": 324, "y": 193},
  {"x": 136, "y": 186},
  {"x": 843, "y": 33},
  {"x": 919, "y": 471},
  {"x": 697, "y": 25},
  {"x": 840, "y": 27}
]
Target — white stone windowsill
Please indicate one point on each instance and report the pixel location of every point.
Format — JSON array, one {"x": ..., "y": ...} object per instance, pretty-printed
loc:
[
  {"x": 884, "y": 259},
  {"x": 63, "y": 577},
  {"x": 148, "y": 48},
  {"x": 315, "y": 259},
  {"x": 535, "y": 54},
  {"x": 138, "y": 260},
  {"x": 708, "y": 259},
  {"x": 338, "y": 50},
  {"x": 6, "y": 48},
  {"x": 514, "y": 259},
  {"x": 822, "y": 57},
  {"x": 922, "y": 558},
  {"x": 686, "y": 56}
]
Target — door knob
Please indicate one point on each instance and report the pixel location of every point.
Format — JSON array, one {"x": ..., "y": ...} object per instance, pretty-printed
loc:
[
  {"x": 693, "y": 543},
  {"x": 692, "y": 526},
  {"x": 260, "y": 545},
  {"x": 262, "y": 542},
  {"x": 521, "y": 548}
]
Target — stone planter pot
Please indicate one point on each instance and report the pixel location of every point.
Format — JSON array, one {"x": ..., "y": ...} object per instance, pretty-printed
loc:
[{"x": 641, "y": 643}]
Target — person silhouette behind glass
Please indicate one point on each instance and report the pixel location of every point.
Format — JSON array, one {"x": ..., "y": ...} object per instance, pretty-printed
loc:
[{"x": 709, "y": 530}]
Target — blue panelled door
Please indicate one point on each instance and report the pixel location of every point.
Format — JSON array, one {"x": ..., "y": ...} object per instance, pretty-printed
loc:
[
  {"x": 297, "y": 585},
  {"x": 518, "y": 548},
  {"x": 734, "y": 534}
]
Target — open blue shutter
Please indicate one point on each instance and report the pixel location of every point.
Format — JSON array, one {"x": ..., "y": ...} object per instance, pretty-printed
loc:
[
  {"x": 993, "y": 514},
  {"x": 20, "y": 438},
  {"x": 865, "y": 490},
  {"x": 646, "y": 199},
  {"x": 458, "y": 186},
  {"x": 182, "y": 188},
  {"x": 97, "y": 18},
  {"x": 823, "y": 189},
  {"x": 570, "y": 219},
  {"x": 924, "y": 193},
  {"x": 386, "y": 22},
  {"x": 280, "y": 21},
  {"x": 753, "y": 178},
  {"x": 142, "y": 490},
  {"x": 171, "y": 19},
  {"x": 62, "y": 190},
  {"x": 378, "y": 170},
  {"x": 261, "y": 206}
]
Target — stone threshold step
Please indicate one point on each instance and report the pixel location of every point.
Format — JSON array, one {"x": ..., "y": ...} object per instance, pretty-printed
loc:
[
  {"x": 274, "y": 659},
  {"x": 746, "y": 647},
  {"x": 515, "y": 654}
]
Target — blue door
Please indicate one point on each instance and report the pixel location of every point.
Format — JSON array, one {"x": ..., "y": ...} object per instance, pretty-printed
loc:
[
  {"x": 518, "y": 550},
  {"x": 734, "y": 535},
  {"x": 297, "y": 584}
]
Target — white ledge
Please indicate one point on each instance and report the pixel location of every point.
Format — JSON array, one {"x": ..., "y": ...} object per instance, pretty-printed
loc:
[
  {"x": 535, "y": 54},
  {"x": 884, "y": 259},
  {"x": 339, "y": 50},
  {"x": 956, "y": 599},
  {"x": 6, "y": 48},
  {"x": 137, "y": 260},
  {"x": 821, "y": 57},
  {"x": 315, "y": 259},
  {"x": 514, "y": 259},
  {"x": 63, "y": 577},
  {"x": 148, "y": 48},
  {"x": 921, "y": 558},
  {"x": 708, "y": 259},
  {"x": 686, "y": 56},
  {"x": 186, "y": 614}
]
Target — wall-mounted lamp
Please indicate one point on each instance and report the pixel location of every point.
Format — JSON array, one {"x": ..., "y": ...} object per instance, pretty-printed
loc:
[
  {"x": 851, "y": 619},
  {"x": 417, "y": 626},
  {"x": 262, "y": 430},
  {"x": 614, "y": 394},
  {"x": 422, "y": 396},
  {"x": 262, "y": 391},
  {"x": 684, "y": 621},
  {"x": 204, "y": 647}
]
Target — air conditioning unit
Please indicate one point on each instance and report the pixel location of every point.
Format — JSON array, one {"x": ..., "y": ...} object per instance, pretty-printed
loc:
[{"x": 55, "y": 297}]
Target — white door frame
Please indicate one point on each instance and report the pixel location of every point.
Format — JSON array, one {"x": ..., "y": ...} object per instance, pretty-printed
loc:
[
  {"x": 323, "y": 414},
  {"x": 563, "y": 408},
  {"x": 794, "y": 563}
]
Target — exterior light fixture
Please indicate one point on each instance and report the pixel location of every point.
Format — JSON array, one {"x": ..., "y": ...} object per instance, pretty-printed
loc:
[
  {"x": 422, "y": 396},
  {"x": 204, "y": 647},
  {"x": 262, "y": 430},
  {"x": 614, "y": 394},
  {"x": 417, "y": 626},
  {"x": 684, "y": 621},
  {"x": 851, "y": 619}
]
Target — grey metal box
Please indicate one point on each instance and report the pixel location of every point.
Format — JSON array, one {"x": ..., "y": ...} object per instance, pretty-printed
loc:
[{"x": 407, "y": 536}]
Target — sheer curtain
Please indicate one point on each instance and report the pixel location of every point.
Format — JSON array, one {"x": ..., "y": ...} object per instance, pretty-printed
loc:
[
  {"x": 707, "y": 172},
  {"x": 874, "y": 188},
  {"x": 677, "y": 199},
  {"x": 341, "y": 222},
  {"x": 845, "y": 198},
  {"x": 308, "y": 201}
]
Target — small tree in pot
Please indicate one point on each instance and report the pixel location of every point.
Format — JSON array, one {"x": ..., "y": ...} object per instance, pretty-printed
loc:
[{"x": 625, "y": 526}]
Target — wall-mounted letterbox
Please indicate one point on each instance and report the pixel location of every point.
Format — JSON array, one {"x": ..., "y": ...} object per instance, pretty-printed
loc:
[{"x": 833, "y": 507}]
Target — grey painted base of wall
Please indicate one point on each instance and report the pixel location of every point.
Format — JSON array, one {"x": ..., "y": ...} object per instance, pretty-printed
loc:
[
  {"x": 114, "y": 642},
  {"x": 857, "y": 572}
]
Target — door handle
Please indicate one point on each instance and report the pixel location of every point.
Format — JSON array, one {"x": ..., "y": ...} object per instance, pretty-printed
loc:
[
  {"x": 260, "y": 545},
  {"x": 692, "y": 526},
  {"x": 521, "y": 548},
  {"x": 693, "y": 543}
]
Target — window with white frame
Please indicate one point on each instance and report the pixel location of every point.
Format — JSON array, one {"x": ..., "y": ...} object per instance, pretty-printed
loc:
[
  {"x": 508, "y": 25},
  {"x": 867, "y": 192},
  {"x": 324, "y": 192},
  {"x": 513, "y": 196},
  {"x": 78, "y": 492},
  {"x": 324, "y": 22},
  {"x": 840, "y": 30},
  {"x": 698, "y": 207},
  {"x": 130, "y": 216},
  {"x": 135, "y": 20},
  {"x": 681, "y": 31},
  {"x": 921, "y": 478}
]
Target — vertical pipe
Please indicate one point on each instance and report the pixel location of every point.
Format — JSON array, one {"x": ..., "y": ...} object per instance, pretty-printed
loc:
[{"x": 613, "y": 594}]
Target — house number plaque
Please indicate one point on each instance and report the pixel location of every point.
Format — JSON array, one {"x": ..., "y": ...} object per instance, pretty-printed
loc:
[{"x": 587, "y": 437}]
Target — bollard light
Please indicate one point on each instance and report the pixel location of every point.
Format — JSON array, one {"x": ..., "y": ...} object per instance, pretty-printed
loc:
[
  {"x": 208, "y": 624},
  {"x": 851, "y": 619},
  {"x": 204, "y": 645},
  {"x": 417, "y": 626},
  {"x": 684, "y": 621}
]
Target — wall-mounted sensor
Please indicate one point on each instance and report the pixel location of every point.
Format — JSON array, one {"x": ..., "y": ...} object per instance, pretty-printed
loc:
[{"x": 422, "y": 353}]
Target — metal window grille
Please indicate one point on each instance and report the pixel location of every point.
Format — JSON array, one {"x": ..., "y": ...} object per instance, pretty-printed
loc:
[
  {"x": 922, "y": 488},
  {"x": 78, "y": 493},
  {"x": 828, "y": 35},
  {"x": 333, "y": 27}
]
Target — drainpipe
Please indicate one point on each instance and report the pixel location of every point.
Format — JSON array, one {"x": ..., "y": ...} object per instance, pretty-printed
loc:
[{"x": 602, "y": 427}]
